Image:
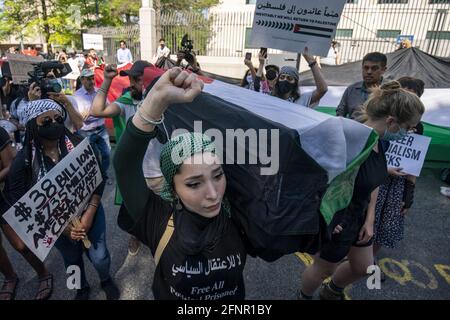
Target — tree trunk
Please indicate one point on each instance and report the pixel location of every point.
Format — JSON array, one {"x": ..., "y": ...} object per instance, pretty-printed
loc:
[
  {"x": 45, "y": 19},
  {"x": 157, "y": 7}
]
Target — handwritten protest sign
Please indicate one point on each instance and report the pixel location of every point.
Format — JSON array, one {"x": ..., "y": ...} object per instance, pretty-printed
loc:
[
  {"x": 291, "y": 25},
  {"x": 42, "y": 214},
  {"x": 408, "y": 153},
  {"x": 20, "y": 65},
  {"x": 92, "y": 41}
]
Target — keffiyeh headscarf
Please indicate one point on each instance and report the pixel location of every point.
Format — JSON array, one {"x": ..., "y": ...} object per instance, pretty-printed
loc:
[
  {"x": 175, "y": 151},
  {"x": 36, "y": 108},
  {"x": 195, "y": 233}
]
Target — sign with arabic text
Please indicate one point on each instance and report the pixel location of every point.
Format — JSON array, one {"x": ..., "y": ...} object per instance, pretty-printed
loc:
[{"x": 292, "y": 25}]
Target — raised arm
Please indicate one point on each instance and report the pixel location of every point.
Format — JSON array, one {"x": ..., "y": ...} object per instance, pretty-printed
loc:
[
  {"x": 99, "y": 107},
  {"x": 321, "y": 85}
]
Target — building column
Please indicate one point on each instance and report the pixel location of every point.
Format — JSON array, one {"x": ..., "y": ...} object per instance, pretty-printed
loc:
[{"x": 147, "y": 30}]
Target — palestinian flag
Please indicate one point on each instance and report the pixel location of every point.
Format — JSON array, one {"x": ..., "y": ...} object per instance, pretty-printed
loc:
[{"x": 317, "y": 157}]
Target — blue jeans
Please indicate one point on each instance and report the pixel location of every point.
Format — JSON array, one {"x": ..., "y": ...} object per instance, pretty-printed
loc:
[
  {"x": 99, "y": 138},
  {"x": 98, "y": 254}
]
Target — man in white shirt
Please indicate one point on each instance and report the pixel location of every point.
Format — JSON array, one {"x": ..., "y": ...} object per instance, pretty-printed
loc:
[
  {"x": 93, "y": 127},
  {"x": 162, "y": 50},
  {"x": 124, "y": 54}
]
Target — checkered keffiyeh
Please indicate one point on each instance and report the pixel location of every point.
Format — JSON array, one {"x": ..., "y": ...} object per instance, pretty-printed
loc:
[
  {"x": 175, "y": 151},
  {"x": 38, "y": 107}
]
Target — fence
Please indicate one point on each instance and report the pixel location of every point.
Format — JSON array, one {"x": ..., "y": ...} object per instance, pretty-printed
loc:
[
  {"x": 365, "y": 26},
  {"x": 112, "y": 37}
]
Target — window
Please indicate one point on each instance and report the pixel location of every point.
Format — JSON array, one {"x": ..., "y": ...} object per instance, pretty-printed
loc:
[
  {"x": 388, "y": 33},
  {"x": 441, "y": 35},
  {"x": 438, "y": 1},
  {"x": 391, "y": 1},
  {"x": 344, "y": 33},
  {"x": 250, "y": 1},
  {"x": 352, "y": 1}
]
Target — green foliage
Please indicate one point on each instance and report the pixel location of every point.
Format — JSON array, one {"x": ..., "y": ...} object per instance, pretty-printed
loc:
[{"x": 66, "y": 18}]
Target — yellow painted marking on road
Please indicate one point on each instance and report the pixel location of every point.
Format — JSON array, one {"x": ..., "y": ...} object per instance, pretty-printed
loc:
[
  {"x": 433, "y": 284},
  {"x": 444, "y": 271},
  {"x": 389, "y": 271},
  {"x": 305, "y": 258}
]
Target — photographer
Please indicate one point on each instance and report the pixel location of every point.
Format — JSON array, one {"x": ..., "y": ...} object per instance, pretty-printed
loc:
[
  {"x": 188, "y": 55},
  {"x": 49, "y": 87}
]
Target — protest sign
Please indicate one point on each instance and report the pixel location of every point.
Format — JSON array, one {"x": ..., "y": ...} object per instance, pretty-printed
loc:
[
  {"x": 42, "y": 214},
  {"x": 92, "y": 41},
  {"x": 408, "y": 153},
  {"x": 20, "y": 65},
  {"x": 291, "y": 25}
]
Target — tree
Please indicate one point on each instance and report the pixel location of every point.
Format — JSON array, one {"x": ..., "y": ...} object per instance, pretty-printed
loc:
[{"x": 16, "y": 18}]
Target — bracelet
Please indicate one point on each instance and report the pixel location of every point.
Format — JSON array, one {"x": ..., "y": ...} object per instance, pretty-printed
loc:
[
  {"x": 103, "y": 90},
  {"x": 312, "y": 64},
  {"x": 150, "y": 121},
  {"x": 93, "y": 205}
]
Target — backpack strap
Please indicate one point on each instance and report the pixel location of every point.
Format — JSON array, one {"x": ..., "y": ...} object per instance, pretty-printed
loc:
[{"x": 170, "y": 228}]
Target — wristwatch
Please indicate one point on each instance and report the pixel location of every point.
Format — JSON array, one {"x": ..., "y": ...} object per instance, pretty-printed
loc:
[{"x": 312, "y": 64}]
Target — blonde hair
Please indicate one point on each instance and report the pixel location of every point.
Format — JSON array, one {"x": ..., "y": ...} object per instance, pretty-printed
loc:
[{"x": 391, "y": 100}]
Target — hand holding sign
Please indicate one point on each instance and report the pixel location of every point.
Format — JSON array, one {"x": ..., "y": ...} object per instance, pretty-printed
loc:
[{"x": 407, "y": 154}]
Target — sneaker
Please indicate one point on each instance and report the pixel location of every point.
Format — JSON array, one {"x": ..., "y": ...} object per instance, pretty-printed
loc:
[
  {"x": 133, "y": 246},
  {"x": 326, "y": 293},
  {"x": 83, "y": 294},
  {"x": 445, "y": 191},
  {"x": 111, "y": 290}
]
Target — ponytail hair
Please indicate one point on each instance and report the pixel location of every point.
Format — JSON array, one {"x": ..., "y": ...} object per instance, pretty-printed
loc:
[{"x": 391, "y": 99}]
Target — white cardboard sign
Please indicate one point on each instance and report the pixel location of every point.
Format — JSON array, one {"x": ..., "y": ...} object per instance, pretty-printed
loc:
[
  {"x": 408, "y": 153},
  {"x": 42, "y": 214},
  {"x": 290, "y": 25},
  {"x": 92, "y": 41}
]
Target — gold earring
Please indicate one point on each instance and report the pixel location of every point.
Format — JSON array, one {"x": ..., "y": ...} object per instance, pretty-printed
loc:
[{"x": 178, "y": 205}]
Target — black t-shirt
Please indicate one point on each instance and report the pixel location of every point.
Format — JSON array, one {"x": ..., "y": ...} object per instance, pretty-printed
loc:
[
  {"x": 205, "y": 276},
  {"x": 371, "y": 174}
]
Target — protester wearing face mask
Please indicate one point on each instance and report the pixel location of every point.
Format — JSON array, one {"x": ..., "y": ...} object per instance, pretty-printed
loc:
[
  {"x": 248, "y": 81},
  {"x": 46, "y": 143},
  {"x": 396, "y": 196},
  {"x": 266, "y": 83},
  {"x": 287, "y": 85},
  {"x": 391, "y": 111}
]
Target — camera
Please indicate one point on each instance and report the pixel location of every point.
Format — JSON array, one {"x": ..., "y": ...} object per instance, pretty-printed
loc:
[
  {"x": 186, "y": 48},
  {"x": 39, "y": 75}
]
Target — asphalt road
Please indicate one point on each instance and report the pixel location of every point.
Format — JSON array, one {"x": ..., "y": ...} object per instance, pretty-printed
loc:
[{"x": 418, "y": 269}]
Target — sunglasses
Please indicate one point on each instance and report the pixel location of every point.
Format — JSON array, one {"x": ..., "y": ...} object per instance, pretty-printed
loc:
[{"x": 47, "y": 121}]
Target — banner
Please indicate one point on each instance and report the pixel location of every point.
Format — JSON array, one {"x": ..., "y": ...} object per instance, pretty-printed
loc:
[
  {"x": 42, "y": 214},
  {"x": 290, "y": 25},
  {"x": 408, "y": 153},
  {"x": 20, "y": 65}
]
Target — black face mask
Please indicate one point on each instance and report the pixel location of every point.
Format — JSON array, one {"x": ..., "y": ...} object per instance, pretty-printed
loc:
[
  {"x": 284, "y": 87},
  {"x": 52, "y": 132},
  {"x": 271, "y": 74}
]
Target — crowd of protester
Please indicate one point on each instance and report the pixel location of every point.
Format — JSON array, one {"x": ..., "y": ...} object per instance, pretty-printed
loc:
[{"x": 37, "y": 132}]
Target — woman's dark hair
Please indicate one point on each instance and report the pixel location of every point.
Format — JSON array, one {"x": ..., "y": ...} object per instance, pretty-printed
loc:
[
  {"x": 244, "y": 81},
  {"x": 414, "y": 84}
]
